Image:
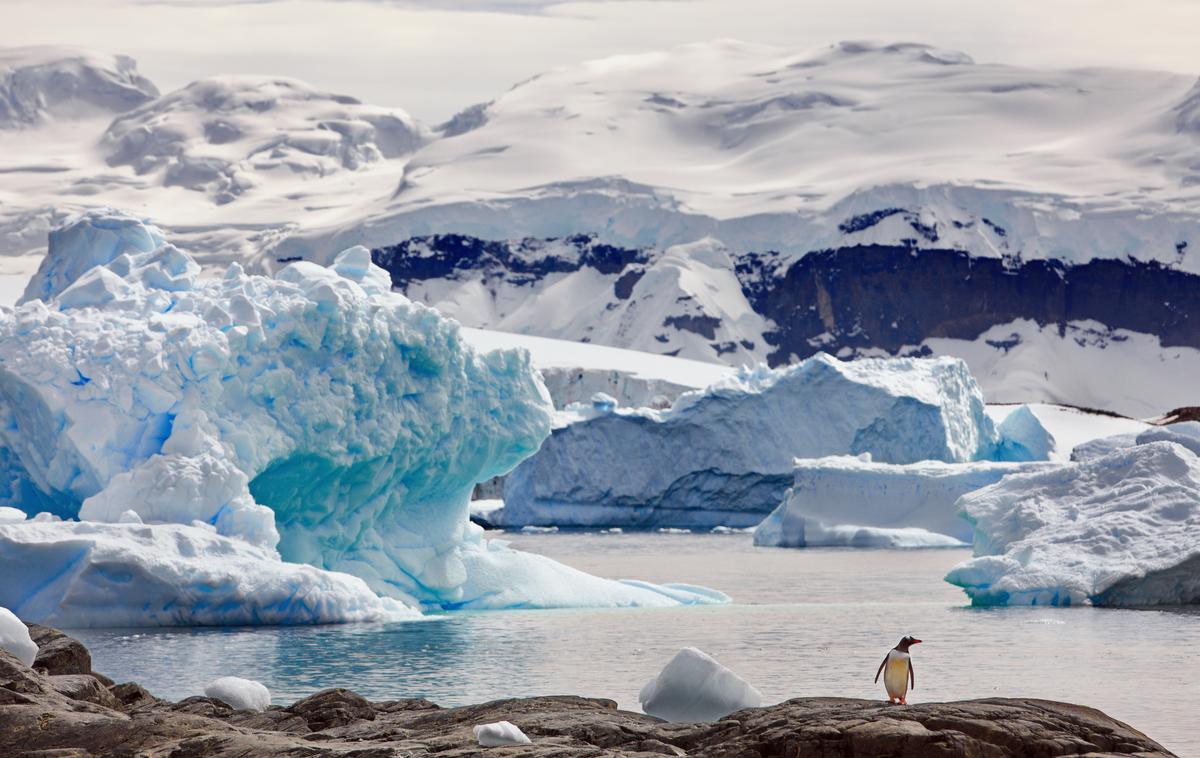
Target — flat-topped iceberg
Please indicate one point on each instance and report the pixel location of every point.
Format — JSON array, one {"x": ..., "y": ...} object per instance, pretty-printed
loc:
[
  {"x": 723, "y": 456},
  {"x": 316, "y": 413},
  {"x": 846, "y": 500},
  {"x": 1122, "y": 529}
]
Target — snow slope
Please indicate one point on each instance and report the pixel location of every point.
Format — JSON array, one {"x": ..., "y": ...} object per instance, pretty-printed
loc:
[
  {"x": 224, "y": 136},
  {"x": 575, "y": 371},
  {"x": 1121, "y": 529},
  {"x": 765, "y": 148},
  {"x": 316, "y": 411},
  {"x": 40, "y": 84}
]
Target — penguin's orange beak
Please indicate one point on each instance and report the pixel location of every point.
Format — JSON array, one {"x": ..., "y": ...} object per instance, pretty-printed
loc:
[{"x": 915, "y": 641}]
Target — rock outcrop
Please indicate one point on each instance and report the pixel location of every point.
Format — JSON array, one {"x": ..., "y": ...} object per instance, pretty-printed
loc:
[{"x": 79, "y": 715}]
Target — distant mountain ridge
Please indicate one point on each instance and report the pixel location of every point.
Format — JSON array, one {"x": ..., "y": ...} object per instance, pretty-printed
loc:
[
  {"x": 852, "y": 301},
  {"x": 720, "y": 201}
]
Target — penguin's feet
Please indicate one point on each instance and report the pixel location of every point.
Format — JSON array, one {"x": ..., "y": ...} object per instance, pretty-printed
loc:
[{"x": 903, "y": 701}]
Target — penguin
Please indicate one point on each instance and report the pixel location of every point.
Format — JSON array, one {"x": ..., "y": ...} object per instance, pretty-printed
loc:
[{"x": 899, "y": 671}]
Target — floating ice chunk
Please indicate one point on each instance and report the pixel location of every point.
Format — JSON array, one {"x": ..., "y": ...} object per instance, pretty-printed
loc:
[
  {"x": 816, "y": 534},
  {"x": 845, "y": 500},
  {"x": 11, "y": 515},
  {"x": 723, "y": 456},
  {"x": 239, "y": 694},
  {"x": 1023, "y": 438},
  {"x": 498, "y": 734},
  {"x": 91, "y": 239},
  {"x": 499, "y": 578},
  {"x": 83, "y": 574},
  {"x": 14, "y": 637},
  {"x": 694, "y": 687},
  {"x": 1122, "y": 529},
  {"x": 129, "y": 517}
]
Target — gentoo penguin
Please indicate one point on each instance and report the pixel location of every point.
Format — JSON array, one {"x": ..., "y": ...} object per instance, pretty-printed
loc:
[{"x": 897, "y": 670}]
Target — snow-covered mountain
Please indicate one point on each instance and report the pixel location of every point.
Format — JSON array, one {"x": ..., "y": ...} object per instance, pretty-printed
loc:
[
  {"x": 221, "y": 136},
  {"x": 722, "y": 201},
  {"x": 40, "y": 84}
]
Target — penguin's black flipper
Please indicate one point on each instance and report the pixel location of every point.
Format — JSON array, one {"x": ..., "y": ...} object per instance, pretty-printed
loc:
[
  {"x": 912, "y": 675},
  {"x": 880, "y": 671}
]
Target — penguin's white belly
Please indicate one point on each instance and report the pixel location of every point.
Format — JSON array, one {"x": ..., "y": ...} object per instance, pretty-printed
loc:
[{"x": 895, "y": 674}]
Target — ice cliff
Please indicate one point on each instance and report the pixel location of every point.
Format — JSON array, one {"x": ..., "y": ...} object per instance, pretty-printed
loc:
[
  {"x": 314, "y": 412},
  {"x": 724, "y": 455},
  {"x": 1120, "y": 529}
]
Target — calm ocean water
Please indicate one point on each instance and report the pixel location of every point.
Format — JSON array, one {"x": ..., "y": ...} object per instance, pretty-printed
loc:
[{"x": 803, "y": 622}]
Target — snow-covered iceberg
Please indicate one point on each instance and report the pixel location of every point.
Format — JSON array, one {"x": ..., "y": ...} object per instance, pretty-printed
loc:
[
  {"x": 1122, "y": 529},
  {"x": 846, "y": 500},
  {"x": 316, "y": 412},
  {"x": 1186, "y": 433},
  {"x": 724, "y": 455},
  {"x": 81, "y": 574}
]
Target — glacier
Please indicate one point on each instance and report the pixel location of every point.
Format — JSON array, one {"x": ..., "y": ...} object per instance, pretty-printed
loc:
[
  {"x": 845, "y": 500},
  {"x": 315, "y": 414},
  {"x": 1121, "y": 529},
  {"x": 723, "y": 456}
]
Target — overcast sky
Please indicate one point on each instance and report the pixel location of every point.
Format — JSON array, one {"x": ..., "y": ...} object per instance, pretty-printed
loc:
[{"x": 433, "y": 57}]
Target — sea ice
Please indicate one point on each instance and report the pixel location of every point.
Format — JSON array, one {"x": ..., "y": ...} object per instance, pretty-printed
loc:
[
  {"x": 724, "y": 455},
  {"x": 498, "y": 734},
  {"x": 1122, "y": 529},
  {"x": 694, "y": 687},
  {"x": 239, "y": 694},
  {"x": 14, "y": 637},
  {"x": 845, "y": 500}
]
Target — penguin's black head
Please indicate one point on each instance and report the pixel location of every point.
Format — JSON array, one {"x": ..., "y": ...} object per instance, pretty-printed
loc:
[{"x": 906, "y": 643}]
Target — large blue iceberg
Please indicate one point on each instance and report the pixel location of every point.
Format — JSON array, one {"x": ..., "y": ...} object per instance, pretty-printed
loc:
[
  {"x": 315, "y": 413},
  {"x": 724, "y": 456}
]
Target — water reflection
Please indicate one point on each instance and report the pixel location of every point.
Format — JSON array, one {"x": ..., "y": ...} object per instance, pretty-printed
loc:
[{"x": 805, "y": 622}]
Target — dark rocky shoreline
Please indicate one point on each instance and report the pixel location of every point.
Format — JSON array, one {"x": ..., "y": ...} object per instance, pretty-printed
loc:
[{"x": 62, "y": 709}]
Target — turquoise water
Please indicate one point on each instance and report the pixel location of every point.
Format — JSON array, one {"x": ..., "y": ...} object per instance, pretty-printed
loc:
[{"x": 803, "y": 622}]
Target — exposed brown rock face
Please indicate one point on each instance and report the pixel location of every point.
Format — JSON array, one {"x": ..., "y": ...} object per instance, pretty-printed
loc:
[{"x": 77, "y": 714}]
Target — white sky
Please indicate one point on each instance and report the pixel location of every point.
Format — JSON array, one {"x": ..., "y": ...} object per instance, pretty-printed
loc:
[{"x": 434, "y": 57}]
